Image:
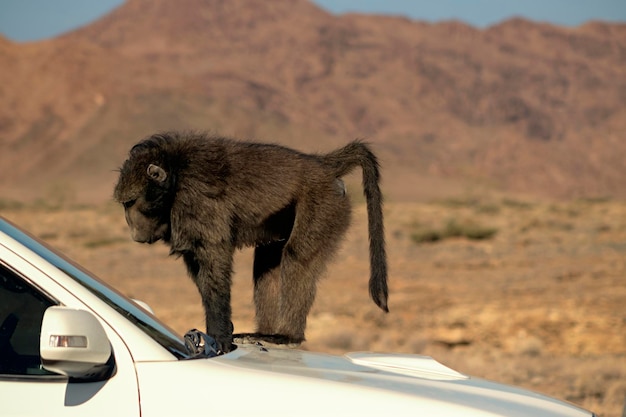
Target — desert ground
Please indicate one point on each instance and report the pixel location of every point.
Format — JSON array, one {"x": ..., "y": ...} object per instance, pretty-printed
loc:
[{"x": 525, "y": 292}]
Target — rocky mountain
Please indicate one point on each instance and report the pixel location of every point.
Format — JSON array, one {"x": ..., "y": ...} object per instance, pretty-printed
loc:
[{"x": 520, "y": 107}]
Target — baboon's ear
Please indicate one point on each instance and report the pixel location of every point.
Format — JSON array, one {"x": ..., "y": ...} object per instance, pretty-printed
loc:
[{"x": 156, "y": 173}]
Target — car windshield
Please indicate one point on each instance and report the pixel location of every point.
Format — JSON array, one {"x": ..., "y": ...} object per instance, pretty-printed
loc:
[{"x": 142, "y": 319}]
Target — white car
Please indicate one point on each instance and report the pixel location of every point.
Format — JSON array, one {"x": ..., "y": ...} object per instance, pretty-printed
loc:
[{"x": 72, "y": 345}]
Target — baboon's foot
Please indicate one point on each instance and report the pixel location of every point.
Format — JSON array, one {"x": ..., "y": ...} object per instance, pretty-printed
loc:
[{"x": 272, "y": 340}]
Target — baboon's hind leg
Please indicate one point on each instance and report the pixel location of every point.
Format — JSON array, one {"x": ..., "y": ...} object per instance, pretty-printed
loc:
[
  {"x": 266, "y": 274},
  {"x": 316, "y": 235}
]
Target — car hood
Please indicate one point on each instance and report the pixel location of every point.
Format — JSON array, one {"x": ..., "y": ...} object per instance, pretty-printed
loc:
[{"x": 305, "y": 383}]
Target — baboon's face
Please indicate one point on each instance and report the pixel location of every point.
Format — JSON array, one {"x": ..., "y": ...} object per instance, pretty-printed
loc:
[
  {"x": 146, "y": 224},
  {"x": 145, "y": 200}
]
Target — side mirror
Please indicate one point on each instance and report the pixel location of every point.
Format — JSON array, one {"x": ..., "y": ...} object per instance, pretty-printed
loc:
[
  {"x": 74, "y": 343},
  {"x": 144, "y": 305}
]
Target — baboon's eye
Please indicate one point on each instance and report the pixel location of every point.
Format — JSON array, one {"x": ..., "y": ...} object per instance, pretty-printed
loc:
[{"x": 128, "y": 204}]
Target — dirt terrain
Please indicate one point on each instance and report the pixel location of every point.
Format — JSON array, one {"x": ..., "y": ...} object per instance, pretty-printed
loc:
[{"x": 525, "y": 292}]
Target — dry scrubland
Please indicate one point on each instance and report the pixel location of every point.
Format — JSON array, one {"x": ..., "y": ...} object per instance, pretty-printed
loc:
[{"x": 522, "y": 292}]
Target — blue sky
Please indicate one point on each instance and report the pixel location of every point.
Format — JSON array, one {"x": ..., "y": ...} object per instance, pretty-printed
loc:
[{"x": 28, "y": 20}]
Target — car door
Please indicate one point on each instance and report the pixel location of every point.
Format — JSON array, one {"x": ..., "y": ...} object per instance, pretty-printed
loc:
[{"x": 26, "y": 388}]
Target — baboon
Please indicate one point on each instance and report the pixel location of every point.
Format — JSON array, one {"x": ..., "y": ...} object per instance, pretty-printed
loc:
[{"x": 206, "y": 196}]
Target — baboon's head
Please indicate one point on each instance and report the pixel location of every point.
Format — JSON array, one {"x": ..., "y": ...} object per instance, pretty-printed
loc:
[{"x": 145, "y": 188}]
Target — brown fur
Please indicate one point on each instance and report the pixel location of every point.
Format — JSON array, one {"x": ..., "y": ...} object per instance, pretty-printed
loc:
[{"x": 206, "y": 196}]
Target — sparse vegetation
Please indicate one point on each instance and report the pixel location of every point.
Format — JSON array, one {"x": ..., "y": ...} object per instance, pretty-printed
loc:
[
  {"x": 454, "y": 229},
  {"x": 6, "y": 204},
  {"x": 104, "y": 241},
  {"x": 516, "y": 204}
]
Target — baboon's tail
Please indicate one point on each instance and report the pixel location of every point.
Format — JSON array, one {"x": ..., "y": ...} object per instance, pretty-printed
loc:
[{"x": 344, "y": 160}]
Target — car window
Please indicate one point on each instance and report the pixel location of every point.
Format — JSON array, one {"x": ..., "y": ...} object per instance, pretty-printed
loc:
[{"x": 21, "y": 313}]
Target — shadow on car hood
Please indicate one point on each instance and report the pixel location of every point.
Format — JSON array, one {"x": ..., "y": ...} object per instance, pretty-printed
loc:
[{"x": 323, "y": 365}]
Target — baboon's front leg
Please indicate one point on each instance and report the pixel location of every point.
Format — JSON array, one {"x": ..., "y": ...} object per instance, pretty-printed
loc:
[{"x": 211, "y": 272}]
